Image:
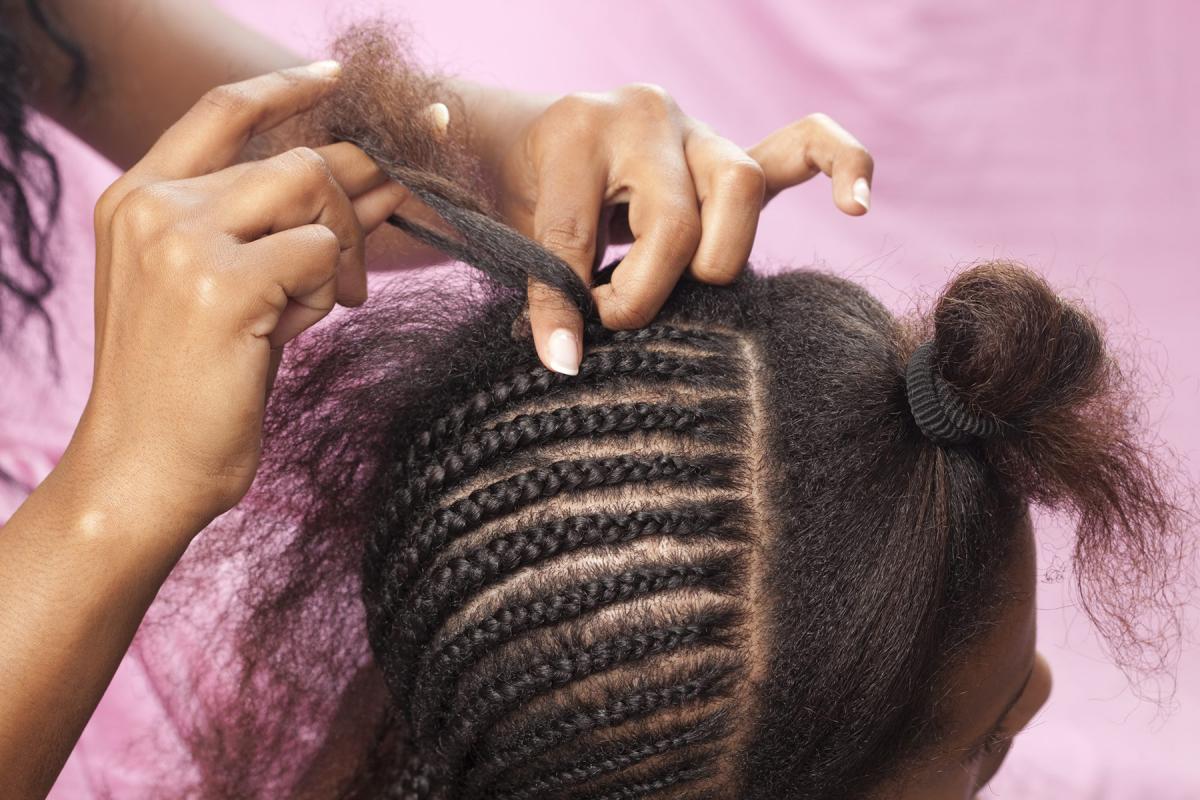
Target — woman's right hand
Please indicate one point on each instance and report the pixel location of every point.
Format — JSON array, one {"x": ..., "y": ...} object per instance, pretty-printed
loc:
[{"x": 205, "y": 269}]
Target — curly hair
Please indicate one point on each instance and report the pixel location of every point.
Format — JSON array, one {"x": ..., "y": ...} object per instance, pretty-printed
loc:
[
  {"x": 30, "y": 185},
  {"x": 721, "y": 561}
]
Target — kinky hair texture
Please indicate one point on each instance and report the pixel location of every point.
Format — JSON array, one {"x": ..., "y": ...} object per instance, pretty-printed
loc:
[{"x": 461, "y": 575}]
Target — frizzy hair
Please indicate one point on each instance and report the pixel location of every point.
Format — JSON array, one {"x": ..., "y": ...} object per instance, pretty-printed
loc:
[{"x": 461, "y": 575}]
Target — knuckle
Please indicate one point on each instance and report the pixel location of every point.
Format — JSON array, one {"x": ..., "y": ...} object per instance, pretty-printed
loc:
[
  {"x": 716, "y": 273},
  {"x": 624, "y": 314},
  {"x": 568, "y": 236},
  {"x": 577, "y": 104},
  {"x": 143, "y": 211},
  {"x": 648, "y": 97},
  {"x": 176, "y": 253},
  {"x": 230, "y": 99},
  {"x": 107, "y": 204},
  {"x": 326, "y": 243},
  {"x": 817, "y": 119},
  {"x": 570, "y": 118},
  {"x": 309, "y": 163},
  {"x": 743, "y": 176},
  {"x": 809, "y": 127},
  {"x": 680, "y": 230}
]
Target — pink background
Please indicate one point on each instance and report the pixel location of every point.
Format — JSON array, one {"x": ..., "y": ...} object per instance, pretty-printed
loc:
[{"x": 1061, "y": 134}]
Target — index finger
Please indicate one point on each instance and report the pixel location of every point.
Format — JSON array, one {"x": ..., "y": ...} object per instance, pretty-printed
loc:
[
  {"x": 213, "y": 133},
  {"x": 816, "y": 144},
  {"x": 664, "y": 217}
]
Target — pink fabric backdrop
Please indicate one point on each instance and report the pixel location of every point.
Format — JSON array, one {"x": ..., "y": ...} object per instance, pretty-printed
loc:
[{"x": 1062, "y": 134}]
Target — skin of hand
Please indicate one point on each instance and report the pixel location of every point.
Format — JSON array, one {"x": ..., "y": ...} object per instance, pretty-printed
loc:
[
  {"x": 162, "y": 449},
  {"x": 687, "y": 198},
  {"x": 205, "y": 269}
]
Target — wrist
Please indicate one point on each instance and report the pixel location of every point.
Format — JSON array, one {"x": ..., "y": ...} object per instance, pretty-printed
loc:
[{"x": 109, "y": 496}]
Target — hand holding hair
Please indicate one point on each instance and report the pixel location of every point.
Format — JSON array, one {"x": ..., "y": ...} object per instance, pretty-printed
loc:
[
  {"x": 690, "y": 198},
  {"x": 205, "y": 269},
  {"x": 575, "y": 174}
]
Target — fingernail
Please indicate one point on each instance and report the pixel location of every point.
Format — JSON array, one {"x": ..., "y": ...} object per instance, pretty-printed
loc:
[
  {"x": 564, "y": 352},
  {"x": 439, "y": 116},
  {"x": 862, "y": 193},
  {"x": 325, "y": 69}
]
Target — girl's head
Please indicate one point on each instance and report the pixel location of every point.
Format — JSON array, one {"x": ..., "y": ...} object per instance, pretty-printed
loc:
[{"x": 777, "y": 544}]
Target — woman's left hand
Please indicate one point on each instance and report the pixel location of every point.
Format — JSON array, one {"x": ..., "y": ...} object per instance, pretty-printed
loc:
[{"x": 586, "y": 170}]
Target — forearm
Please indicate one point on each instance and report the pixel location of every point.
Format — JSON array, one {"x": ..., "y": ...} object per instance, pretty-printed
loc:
[
  {"x": 148, "y": 62},
  {"x": 80, "y": 562}
]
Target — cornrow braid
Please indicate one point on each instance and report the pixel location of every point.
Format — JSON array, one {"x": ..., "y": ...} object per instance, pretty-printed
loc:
[
  {"x": 426, "y": 605},
  {"x": 534, "y": 486},
  {"x": 631, "y": 754},
  {"x": 495, "y": 698},
  {"x": 480, "y": 568},
  {"x": 468, "y": 454},
  {"x": 706, "y": 340},
  {"x": 451, "y": 658},
  {"x": 664, "y": 779},
  {"x": 537, "y": 382},
  {"x": 613, "y": 713},
  {"x": 503, "y": 624}
]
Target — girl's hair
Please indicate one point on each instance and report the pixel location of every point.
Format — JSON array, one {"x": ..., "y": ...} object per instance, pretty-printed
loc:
[
  {"x": 722, "y": 561},
  {"x": 30, "y": 189}
]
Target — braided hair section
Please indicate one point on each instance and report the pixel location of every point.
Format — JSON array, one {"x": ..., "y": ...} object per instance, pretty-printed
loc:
[{"x": 555, "y": 596}]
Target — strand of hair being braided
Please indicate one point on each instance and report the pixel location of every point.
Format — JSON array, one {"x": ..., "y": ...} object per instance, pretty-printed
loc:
[{"x": 380, "y": 107}]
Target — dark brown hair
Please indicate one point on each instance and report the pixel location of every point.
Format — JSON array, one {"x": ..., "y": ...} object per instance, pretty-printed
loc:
[
  {"x": 30, "y": 186},
  {"x": 722, "y": 561}
]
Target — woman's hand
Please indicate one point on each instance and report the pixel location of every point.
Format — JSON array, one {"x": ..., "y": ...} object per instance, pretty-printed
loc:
[
  {"x": 205, "y": 269},
  {"x": 689, "y": 200}
]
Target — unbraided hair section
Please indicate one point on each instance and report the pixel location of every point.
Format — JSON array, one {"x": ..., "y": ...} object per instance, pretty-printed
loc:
[{"x": 556, "y": 592}]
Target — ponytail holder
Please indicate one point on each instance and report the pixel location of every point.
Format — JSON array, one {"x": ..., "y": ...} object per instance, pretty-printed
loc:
[{"x": 940, "y": 414}]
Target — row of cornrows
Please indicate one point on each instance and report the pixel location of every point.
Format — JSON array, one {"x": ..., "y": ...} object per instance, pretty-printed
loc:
[{"x": 457, "y": 684}]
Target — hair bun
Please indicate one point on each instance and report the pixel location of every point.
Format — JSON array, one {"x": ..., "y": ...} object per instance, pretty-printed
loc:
[{"x": 1009, "y": 350}]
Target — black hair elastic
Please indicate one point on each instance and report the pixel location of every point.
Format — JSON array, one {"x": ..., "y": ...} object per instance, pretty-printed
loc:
[{"x": 940, "y": 414}]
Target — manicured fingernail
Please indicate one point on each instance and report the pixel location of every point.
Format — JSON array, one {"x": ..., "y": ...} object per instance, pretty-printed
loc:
[
  {"x": 325, "y": 69},
  {"x": 439, "y": 116},
  {"x": 862, "y": 193},
  {"x": 564, "y": 352}
]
